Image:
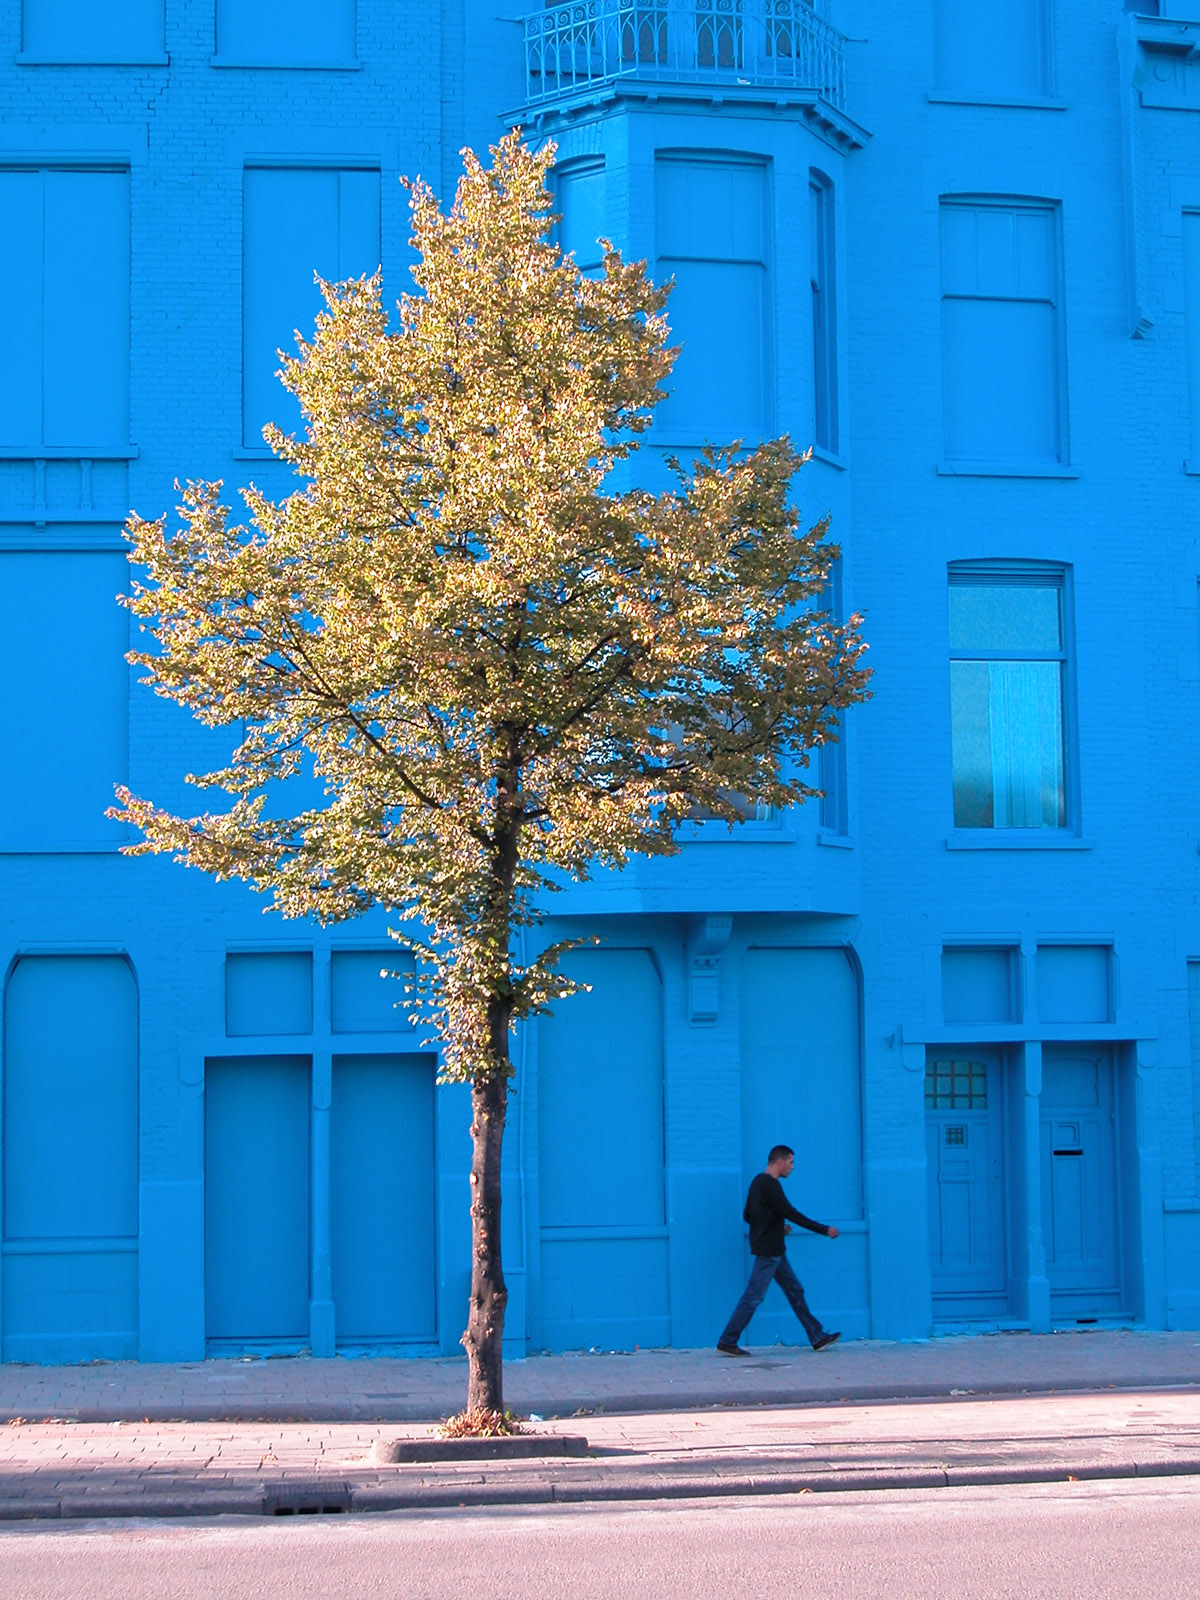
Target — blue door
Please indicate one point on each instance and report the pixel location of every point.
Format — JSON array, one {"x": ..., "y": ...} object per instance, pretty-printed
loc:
[
  {"x": 800, "y": 1086},
  {"x": 601, "y": 1169},
  {"x": 69, "y": 1256},
  {"x": 964, "y": 1147},
  {"x": 1079, "y": 1181},
  {"x": 257, "y": 1200},
  {"x": 382, "y": 1198}
]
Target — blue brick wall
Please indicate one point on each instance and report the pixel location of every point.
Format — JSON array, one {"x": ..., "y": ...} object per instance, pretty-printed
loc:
[{"x": 1105, "y": 141}]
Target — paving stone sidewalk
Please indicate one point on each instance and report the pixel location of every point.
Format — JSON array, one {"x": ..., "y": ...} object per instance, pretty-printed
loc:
[{"x": 297, "y": 1436}]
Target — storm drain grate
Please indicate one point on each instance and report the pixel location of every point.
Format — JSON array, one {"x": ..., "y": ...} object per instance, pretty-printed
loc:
[{"x": 306, "y": 1499}]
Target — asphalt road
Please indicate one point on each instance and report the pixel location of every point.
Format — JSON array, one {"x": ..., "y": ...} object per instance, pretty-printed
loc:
[{"x": 1087, "y": 1540}]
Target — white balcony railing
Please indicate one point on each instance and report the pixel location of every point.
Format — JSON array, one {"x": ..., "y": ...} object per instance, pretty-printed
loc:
[{"x": 774, "y": 43}]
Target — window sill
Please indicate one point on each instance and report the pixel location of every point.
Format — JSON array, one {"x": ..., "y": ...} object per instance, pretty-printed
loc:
[
  {"x": 1005, "y": 469},
  {"x": 61, "y": 847},
  {"x": 28, "y": 59},
  {"x": 240, "y": 65},
  {"x": 1026, "y": 102},
  {"x": 68, "y": 452},
  {"x": 673, "y": 439},
  {"x": 717, "y": 832},
  {"x": 830, "y": 457},
  {"x": 64, "y": 530},
  {"x": 834, "y": 841},
  {"x": 1192, "y": 467},
  {"x": 1015, "y": 839}
]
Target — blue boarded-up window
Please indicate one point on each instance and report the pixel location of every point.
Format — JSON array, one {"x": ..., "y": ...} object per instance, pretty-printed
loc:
[
  {"x": 800, "y": 1074},
  {"x": 580, "y": 192},
  {"x": 70, "y": 1099},
  {"x": 287, "y": 33},
  {"x": 712, "y": 228},
  {"x": 1074, "y": 982},
  {"x": 600, "y": 1096},
  {"x": 1191, "y": 266},
  {"x": 979, "y": 984},
  {"x": 1004, "y": 390},
  {"x": 382, "y": 1167},
  {"x": 362, "y": 998},
  {"x": 996, "y": 50},
  {"x": 268, "y": 992},
  {"x": 298, "y": 221},
  {"x": 93, "y": 31},
  {"x": 64, "y": 724},
  {"x": 64, "y": 285},
  {"x": 257, "y": 1197},
  {"x": 822, "y": 263}
]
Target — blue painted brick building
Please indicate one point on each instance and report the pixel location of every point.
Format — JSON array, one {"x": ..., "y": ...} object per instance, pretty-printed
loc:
[{"x": 955, "y": 250}]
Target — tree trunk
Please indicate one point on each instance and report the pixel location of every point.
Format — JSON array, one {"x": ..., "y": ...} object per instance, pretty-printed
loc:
[{"x": 485, "y": 1320}]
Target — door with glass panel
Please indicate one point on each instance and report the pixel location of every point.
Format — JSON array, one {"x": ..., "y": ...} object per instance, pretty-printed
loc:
[{"x": 964, "y": 1142}]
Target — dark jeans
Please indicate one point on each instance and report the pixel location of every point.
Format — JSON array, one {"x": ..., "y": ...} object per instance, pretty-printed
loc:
[{"x": 766, "y": 1268}]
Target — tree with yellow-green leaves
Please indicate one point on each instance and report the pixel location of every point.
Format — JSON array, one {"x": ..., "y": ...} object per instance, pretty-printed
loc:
[{"x": 505, "y": 668}]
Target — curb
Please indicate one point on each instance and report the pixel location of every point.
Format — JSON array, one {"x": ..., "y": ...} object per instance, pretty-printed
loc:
[
  {"x": 584, "y": 1406},
  {"x": 315, "y": 1497}
]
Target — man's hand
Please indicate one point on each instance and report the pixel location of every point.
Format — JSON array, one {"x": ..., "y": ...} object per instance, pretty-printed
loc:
[
  {"x": 832, "y": 1233},
  {"x": 787, "y": 1227}
]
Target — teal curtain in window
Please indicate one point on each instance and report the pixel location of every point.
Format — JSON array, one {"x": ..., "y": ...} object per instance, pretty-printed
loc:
[{"x": 1007, "y": 732}]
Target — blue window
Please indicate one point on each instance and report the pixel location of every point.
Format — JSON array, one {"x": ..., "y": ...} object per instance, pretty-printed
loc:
[
  {"x": 66, "y": 250},
  {"x": 62, "y": 630},
  {"x": 996, "y": 51},
  {"x": 1008, "y": 666},
  {"x": 580, "y": 192},
  {"x": 1004, "y": 389},
  {"x": 831, "y": 757},
  {"x": 822, "y": 265},
  {"x": 1191, "y": 267},
  {"x": 713, "y": 240},
  {"x": 287, "y": 33},
  {"x": 89, "y": 32},
  {"x": 299, "y": 221}
]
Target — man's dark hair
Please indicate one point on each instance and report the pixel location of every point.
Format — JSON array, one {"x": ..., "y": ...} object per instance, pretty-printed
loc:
[{"x": 778, "y": 1151}]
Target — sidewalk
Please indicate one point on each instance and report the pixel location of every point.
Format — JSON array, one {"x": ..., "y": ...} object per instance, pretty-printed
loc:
[{"x": 258, "y": 1437}]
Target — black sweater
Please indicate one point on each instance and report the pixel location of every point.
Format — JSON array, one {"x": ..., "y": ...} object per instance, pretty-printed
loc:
[{"x": 767, "y": 1208}]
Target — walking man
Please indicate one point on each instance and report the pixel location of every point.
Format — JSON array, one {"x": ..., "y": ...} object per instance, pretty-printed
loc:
[{"x": 768, "y": 1212}]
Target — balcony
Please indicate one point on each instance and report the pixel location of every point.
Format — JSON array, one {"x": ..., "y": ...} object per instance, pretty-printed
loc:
[{"x": 720, "y": 45}]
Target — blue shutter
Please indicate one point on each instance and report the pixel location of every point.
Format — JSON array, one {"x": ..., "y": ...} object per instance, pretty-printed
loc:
[
  {"x": 1191, "y": 265},
  {"x": 801, "y": 1074},
  {"x": 297, "y": 222},
  {"x": 257, "y": 1198},
  {"x": 21, "y": 295},
  {"x": 1001, "y": 351},
  {"x": 600, "y": 1096},
  {"x": 66, "y": 744},
  {"x": 822, "y": 272},
  {"x": 711, "y": 223},
  {"x": 995, "y": 49},
  {"x": 581, "y": 204},
  {"x": 86, "y": 308},
  {"x": 293, "y": 33},
  {"x": 268, "y": 992},
  {"x": 382, "y": 1197},
  {"x": 71, "y": 1099},
  {"x": 93, "y": 30}
]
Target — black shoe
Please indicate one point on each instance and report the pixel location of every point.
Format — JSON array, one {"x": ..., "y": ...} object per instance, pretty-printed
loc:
[
  {"x": 824, "y": 1341},
  {"x": 733, "y": 1350}
]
